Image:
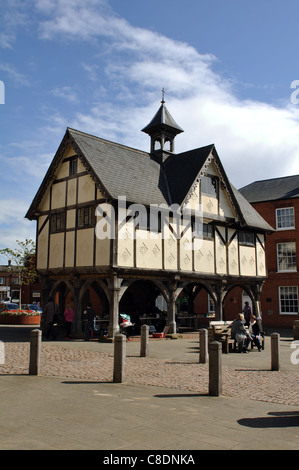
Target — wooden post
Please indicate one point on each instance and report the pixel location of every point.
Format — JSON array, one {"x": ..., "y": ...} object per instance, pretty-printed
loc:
[
  {"x": 114, "y": 290},
  {"x": 171, "y": 308},
  {"x": 144, "y": 341},
  {"x": 35, "y": 352},
  {"x": 203, "y": 346},
  {"x": 215, "y": 369},
  {"x": 275, "y": 351},
  {"x": 119, "y": 371}
]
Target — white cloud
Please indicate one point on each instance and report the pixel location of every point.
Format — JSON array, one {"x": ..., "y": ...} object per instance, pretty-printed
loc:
[
  {"x": 127, "y": 67},
  {"x": 22, "y": 166},
  {"x": 13, "y": 225},
  {"x": 255, "y": 140},
  {"x": 65, "y": 93},
  {"x": 18, "y": 78},
  {"x": 73, "y": 17},
  {"x": 14, "y": 16}
]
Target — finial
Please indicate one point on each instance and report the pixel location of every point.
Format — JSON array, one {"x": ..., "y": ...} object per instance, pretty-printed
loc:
[{"x": 163, "y": 94}]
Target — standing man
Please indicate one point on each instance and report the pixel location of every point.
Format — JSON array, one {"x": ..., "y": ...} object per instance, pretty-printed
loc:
[
  {"x": 49, "y": 317},
  {"x": 90, "y": 316},
  {"x": 247, "y": 313}
]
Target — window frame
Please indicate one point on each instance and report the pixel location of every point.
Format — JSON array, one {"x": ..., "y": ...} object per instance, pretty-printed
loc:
[
  {"x": 295, "y": 299},
  {"x": 73, "y": 166},
  {"x": 86, "y": 217},
  {"x": 287, "y": 227},
  {"x": 245, "y": 242},
  {"x": 207, "y": 231},
  {"x": 214, "y": 182},
  {"x": 211, "y": 305},
  {"x": 57, "y": 222},
  {"x": 294, "y": 269}
]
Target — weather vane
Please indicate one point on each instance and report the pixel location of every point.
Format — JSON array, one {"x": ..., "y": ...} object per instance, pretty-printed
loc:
[{"x": 163, "y": 95}]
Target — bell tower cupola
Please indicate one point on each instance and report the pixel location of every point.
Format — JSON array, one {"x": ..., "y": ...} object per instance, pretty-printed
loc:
[{"x": 162, "y": 130}]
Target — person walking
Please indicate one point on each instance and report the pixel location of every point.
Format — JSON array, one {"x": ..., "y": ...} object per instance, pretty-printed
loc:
[{"x": 68, "y": 317}]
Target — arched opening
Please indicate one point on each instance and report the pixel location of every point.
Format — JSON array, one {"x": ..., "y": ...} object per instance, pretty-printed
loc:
[
  {"x": 62, "y": 292},
  {"x": 195, "y": 306},
  {"x": 142, "y": 301},
  {"x": 168, "y": 145},
  {"x": 93, "y": 292},
  {"x": 157, "y": 144},
  {"x": 234, "y": 301}
]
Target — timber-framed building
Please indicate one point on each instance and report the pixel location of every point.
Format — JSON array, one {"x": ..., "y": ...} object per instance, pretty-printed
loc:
[{"x": 90, "y": 185}]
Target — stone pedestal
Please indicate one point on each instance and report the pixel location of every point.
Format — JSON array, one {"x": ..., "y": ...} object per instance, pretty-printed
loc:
[
  {"x": 35, "y": 352},
  {"x": 275, "y": 351},
  {"x": 119, "y": 370},
  {"x": 296, "y": 329},
  {"x": 215, "y": 369}
]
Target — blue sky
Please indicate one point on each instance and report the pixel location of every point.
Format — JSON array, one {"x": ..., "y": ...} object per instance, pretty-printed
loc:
[{"x": 99, "y": 66}]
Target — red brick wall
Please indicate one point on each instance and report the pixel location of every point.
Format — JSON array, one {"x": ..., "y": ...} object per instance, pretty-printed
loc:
[{"x": 270, "y": 292}]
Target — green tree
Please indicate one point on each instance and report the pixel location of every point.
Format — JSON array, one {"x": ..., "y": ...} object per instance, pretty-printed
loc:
[{"x": 22, "y": 263}]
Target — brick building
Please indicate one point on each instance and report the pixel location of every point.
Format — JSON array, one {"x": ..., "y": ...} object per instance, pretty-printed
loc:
[
  {"x": 10, "y": 287},
  {"x": 277, "y": 201},
  {"x": 9, "y": 283}
]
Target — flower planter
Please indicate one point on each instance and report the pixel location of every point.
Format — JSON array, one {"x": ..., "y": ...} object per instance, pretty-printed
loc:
[{"x": 19, "y": 319}]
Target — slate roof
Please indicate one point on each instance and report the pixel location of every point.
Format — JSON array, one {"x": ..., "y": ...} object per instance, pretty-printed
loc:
[
  {"x": 123, "y": 171},
  {"x": 162, "y": 118},
  {"x": 251, "y": 217},
  {"x": 182, "y": 170},
  {"x": 271, "y": 190}
]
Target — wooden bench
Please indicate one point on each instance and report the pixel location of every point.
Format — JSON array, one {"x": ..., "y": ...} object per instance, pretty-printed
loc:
[{"x": 221, "y": 331}]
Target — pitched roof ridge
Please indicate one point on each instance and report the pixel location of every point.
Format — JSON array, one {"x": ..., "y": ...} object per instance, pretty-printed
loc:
[
  {"x": 117, "y": 144},
  {"x": 269, "y": 179},
  {"x": 194, "y": 150}
]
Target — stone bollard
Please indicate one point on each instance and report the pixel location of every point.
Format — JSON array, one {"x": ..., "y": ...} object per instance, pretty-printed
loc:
[
  {"x": 35, "y": 352},
  {"x": 275, "y": 351},
  {"x": 203, "y": 346},
  {"x": 296, "y": 329},
  {"x": 215, "y": 369},
  {"x": 119, "y": 370},
  {"x": 144, "y": 340}
]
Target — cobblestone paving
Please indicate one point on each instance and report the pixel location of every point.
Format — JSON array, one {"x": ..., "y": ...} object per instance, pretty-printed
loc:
[{"x": 264, "y": 385}]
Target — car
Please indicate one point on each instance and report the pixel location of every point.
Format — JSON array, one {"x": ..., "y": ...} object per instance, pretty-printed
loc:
[
  {"x": 34, "y": 307},
  {"x": 9, "y": 306}
]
